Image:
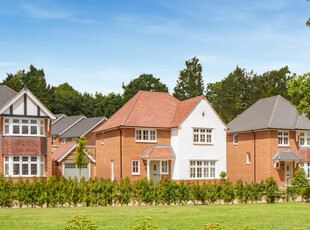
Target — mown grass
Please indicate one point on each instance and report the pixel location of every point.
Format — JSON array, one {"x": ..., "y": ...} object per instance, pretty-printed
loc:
[{"x": 262, "y": 216}]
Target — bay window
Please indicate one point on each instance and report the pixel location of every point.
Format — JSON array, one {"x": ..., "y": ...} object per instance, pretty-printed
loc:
[
  {"x": 202, "y": 169},
  {"x": 23, "y": 127},
  {"x": 25, "y": 166}
]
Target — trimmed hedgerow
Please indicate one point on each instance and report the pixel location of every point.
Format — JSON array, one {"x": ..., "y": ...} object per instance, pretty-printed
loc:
[{"x": 51, "y": 192}]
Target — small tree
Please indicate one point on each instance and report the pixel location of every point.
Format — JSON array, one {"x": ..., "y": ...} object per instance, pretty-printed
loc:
[{"x": 80, "y": 158}]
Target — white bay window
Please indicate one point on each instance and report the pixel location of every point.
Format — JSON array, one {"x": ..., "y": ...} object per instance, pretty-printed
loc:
[
  {"x": 202, "y": 169},
  {"x": 24, "y": 166},
  {"x": 304, "y": 139}
]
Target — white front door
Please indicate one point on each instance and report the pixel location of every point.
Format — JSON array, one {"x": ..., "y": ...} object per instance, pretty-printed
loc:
[{"x": 288, "y": 170}]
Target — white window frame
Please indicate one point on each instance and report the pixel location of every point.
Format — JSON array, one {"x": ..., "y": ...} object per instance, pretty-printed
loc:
[
  {"x": 74, "y": 139},
  {"x": 146, "y": 135},
  {"x": 64, "y": 141},
  {"x": 9, "y": 123},
  {"x": 53, "y": 140},
  {"x": 306, "y": 166},
  {"x": 282, "y": 136},
  {"x": 162, "y": 167},
  {"x": 133, "y": 167},
  {"x": 203, "y": 136},
  {"x": 202, "y": 169},
  {"x": 8, "y": 161},
  {"x": 304, "y": 139},
  {"x": 235, "y": 139},
  {"x": 248, "y": 158}
]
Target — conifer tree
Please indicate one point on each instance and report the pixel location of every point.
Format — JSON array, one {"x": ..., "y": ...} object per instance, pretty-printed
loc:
[{"x": 190, "y": 83}]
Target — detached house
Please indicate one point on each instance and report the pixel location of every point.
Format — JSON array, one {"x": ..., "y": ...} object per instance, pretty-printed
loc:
[
  {"x": 268, "y": 139},
  {"x": 155, "y": 135},
  {"x": 25, "y": 135},
  {"x": 74, "y": 127}
]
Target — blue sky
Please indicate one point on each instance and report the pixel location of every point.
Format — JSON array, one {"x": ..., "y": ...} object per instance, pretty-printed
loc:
[{"x": 96, "y": 45}]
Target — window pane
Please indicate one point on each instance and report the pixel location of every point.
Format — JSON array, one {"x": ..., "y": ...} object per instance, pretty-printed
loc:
[
  {"x": 24, "y": 158},
  {"x": 25, "y": 169},
  {"x": 42, "y": 130},
  {"x": 15, "y": 169},
  {"x": 41, "y": 169},
  {"x": 24, "y": 129},
  {"x": 34, "y": 130},
  {"x": 15, "y": 158},
  {"x": 7, "y": 129},
  {"x": 6, "y": 169},
  {"x": 33, "y": 169},
  {"x": 15, "y": 121},
  {"x": 202, "y": 138},
  {"x": 145, "y": 134},
  {"x": 33, "y": 158},
  {"x": 138, "y": 134},
  {"x": 25, "y": 121},
  {"x": 7, "y": 120},
  {"x": 192, "y": 174},
  {"x": 6, "y": 158},
  {"x": 15, "y": 129},
  {"x": 206, "y": 172},
  {"x": 199, "y": 172},
  {"x": 33, "y": 121}
]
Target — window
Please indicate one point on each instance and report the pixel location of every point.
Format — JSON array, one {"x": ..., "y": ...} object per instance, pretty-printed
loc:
[
  {"x": 202, "y": 169},
  {"x": 135, "y": 167},
  {"x": 102, "y": 138},
  {"x": 203, "y": 136},
  {"x": 283, "y": 138},
  {"x": 235, "y": 137},
  {"x": 24, "y": 166},
  {"x": 74, "y": 139},
  {"x": 53, "y": 139},
  {"x": 306, "y": 167},
  {"x": 18, "y": 126},
  {"x": 147, "y": 135},
  {"x": 70, "y": 165},
  {"x": 164, "y": 167},
  {"x": 304, "y": 139},
  {"x": 248, "y": 158},
  {"x": 64, "y": 141}
]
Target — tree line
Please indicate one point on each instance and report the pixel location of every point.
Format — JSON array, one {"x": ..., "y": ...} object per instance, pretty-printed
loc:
[{"x": 229, "y": 97}]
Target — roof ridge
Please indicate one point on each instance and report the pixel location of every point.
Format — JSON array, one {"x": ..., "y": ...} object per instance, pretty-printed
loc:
[
  {"x": 273, "y": 111},
  {"x": 139, "y": 94}
]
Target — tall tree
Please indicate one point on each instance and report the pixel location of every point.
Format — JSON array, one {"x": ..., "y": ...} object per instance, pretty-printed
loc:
[
  {"x": 144, "y": 82},
  {"x": 88, "y": 104},
  {"x": 80, "y": 158},
  {"x": 67, "y": 100},
  {"x": 299, "y": 91},
  {"x": 107, "y": 105},
  {"x": 190, "y": 83},
  {"x": 34, "y": 80}
]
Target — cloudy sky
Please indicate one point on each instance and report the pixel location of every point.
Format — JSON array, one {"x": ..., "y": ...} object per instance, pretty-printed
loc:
[{"x": 95, "y": 45}]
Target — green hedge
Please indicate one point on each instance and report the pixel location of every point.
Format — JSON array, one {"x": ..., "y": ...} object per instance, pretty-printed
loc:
[{"x": 102, "y": 192}]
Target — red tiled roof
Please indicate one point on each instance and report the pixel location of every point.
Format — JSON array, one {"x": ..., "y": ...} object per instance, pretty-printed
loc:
[
  {"x": 62, "y": 150},
  {"x": 158, "y": 151},
  {"x": 150, "y": 109}
]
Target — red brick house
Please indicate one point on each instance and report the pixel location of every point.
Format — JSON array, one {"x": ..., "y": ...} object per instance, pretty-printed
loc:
[
  {"x": 67, "y": 131},
  {"x": 154, "y": 135},
  {"x": 268, "y": 139},
  {"x": 25, "y": 135}
]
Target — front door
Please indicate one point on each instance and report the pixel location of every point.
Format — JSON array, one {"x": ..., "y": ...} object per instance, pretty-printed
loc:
[
  {"x": 155, "y": 174},
  {"x": 288, "y": 172}
]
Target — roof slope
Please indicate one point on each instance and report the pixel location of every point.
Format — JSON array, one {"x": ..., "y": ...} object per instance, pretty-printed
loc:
[
  {"x": 269, "y": 113},
  {"x": 83, "y": 127},
  {"x": 158, "y": 152},
  {"x": 6, "y": 94},
  {"x": 62, "y": 150},
  {"x": 63, "y": 124},
  {"x": 151, "y": 109}
]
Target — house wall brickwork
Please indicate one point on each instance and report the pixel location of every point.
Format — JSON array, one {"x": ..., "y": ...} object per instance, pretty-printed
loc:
[{"x": 266, "y": 142}]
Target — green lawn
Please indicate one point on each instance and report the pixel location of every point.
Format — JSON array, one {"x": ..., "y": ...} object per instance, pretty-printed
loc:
[{"x": 262, "y": 216}]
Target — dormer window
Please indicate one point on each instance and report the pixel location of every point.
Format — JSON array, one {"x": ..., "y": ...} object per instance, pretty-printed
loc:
[{"x": 145, "y": 135}]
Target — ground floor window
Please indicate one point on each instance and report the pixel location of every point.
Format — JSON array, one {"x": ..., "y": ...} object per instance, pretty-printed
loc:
[
  {"x": 135, "y": 167},
  {"x": 23, "y": 166},
  {"x": 164, "y": 167},
  {"x": 202, "y": 169},
  {"x": 306, "y": 167}
]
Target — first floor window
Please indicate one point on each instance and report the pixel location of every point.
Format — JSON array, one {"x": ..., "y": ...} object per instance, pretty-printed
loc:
[
  {"x": 306, "y": 167},
  {"x": 164, "y": 167},
  {"x": 135, "y": 167},
  {"x": 24, "y": 165},
  {"x": 202, "y": 169},
  {"x": 235, "y": 139},
  {"x": 248, "y": 158},
  {"x": 74, "y": 139},
  {"x": 283, "y": 138},
  {"x": 64, "y": 141},
  {"x": 23, "y": 126},
  {"x": 202, "y": 136},
  {"x": 146, "y": 135},
  {"x": 304, "y": 139}
]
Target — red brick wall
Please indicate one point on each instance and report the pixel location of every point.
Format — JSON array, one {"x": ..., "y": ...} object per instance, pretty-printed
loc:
[
  {"x": 24, "y": 145},
  {"x": 266, "y": 148},
  {"x": 1, "y": 156},
  {"x": 131, "y": 150}
]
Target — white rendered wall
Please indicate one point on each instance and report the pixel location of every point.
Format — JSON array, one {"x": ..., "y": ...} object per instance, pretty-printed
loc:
[{"x": 185, "y": 150}]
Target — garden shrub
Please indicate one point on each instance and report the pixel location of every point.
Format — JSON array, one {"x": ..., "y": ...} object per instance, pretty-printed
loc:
[{"x": 272, "y": 190}]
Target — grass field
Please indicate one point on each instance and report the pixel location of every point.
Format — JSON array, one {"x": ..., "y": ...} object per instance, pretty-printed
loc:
[{"x": 262, "y": 216}]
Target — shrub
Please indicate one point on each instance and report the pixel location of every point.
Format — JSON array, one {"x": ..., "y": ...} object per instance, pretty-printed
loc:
[
  {"x": 80, "y": 222},
  {"x": 272, "y": 190},
  {"x": 144, "y": 223}
]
